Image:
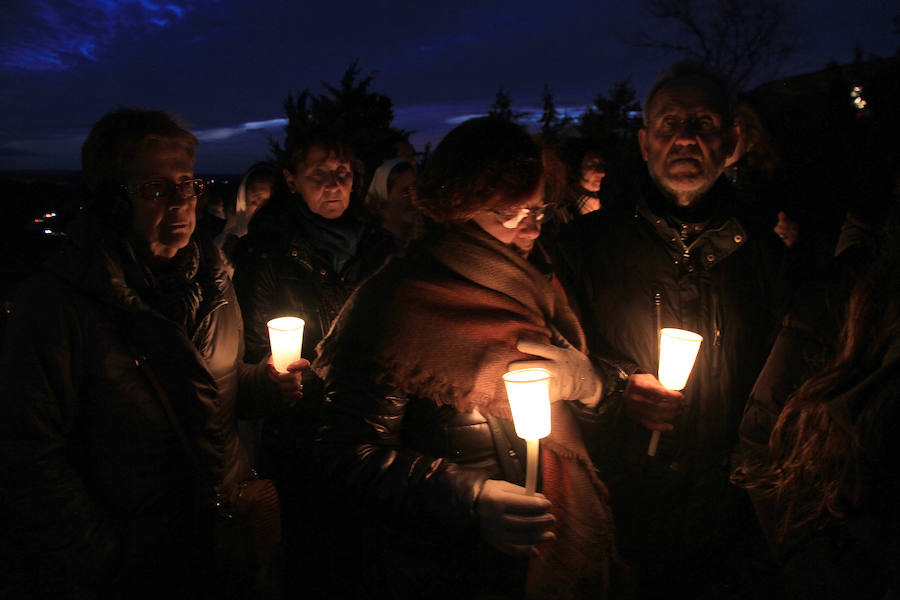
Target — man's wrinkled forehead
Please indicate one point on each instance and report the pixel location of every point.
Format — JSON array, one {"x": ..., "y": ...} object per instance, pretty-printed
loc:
[{"x": 696, "y": 93}]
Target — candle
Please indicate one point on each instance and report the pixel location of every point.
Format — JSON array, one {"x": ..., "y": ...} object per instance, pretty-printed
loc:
[
  {"x": 677, "y": 352},
  {"x": 528, "y": 391},
  {"x": 285, "y": 339}
]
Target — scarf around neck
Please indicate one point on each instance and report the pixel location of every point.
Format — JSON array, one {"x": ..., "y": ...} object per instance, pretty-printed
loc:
[
  {"x": 442, "y": 322},
  {"x": 337, "y": 239}
]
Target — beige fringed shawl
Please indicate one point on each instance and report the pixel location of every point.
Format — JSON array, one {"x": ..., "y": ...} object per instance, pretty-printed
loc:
[{"x": 442, "y": 323}]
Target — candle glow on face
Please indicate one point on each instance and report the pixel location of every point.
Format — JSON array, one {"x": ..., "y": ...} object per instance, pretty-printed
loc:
[
  {"x": 529, "y": 399},
  {"x": 286, "y": 340},
  {"x": 677, "y": 352}
]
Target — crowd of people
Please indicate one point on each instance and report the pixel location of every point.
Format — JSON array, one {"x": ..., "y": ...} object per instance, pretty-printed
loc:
[{"x": 152, "y": 449}]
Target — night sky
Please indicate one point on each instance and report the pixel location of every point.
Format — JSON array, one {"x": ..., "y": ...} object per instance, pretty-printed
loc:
[{"x": 225, "y": 66}]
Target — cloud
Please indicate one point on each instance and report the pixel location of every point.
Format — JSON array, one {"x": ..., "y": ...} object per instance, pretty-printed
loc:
[
  {"x": 219, "y": 134},
  {"x": 56, "y": 36}
]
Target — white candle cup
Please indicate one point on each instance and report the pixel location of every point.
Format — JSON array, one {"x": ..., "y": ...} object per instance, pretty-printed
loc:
[
  {"x": 528, "y": 391},
  {"x": 286, "y": 340},
  {"x": 677, "y": 352}
]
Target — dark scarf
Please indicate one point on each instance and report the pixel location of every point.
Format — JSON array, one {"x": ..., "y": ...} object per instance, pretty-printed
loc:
[
  {"x": 335, "y": 239},
  {"x": 442, "y": 323}
]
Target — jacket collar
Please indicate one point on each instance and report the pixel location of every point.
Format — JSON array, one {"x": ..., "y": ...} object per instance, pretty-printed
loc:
[{"x": 721, "y": 237}]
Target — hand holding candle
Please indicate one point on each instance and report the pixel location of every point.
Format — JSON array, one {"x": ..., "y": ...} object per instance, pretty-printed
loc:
[
  {"x": 677, "y": 352},
  {"x": 529, "y": 399}
]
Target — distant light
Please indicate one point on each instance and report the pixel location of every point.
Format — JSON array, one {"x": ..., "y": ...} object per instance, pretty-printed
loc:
[
  {"x": 48, "y": 231},
  {"x": 856, "y": 96}
]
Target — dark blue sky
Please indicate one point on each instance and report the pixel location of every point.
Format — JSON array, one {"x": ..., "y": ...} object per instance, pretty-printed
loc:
[{"x": 225, "y": 66}]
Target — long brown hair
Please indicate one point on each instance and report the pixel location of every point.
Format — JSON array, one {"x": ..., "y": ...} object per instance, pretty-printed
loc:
[{"x": 815, "y": 459}]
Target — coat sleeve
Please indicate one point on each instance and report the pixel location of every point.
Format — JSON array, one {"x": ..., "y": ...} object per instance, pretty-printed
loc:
[
  {"x": 52, "y": 520},
  {"x": 257, "y": 290},
  {"x": 361, "y": 438}
]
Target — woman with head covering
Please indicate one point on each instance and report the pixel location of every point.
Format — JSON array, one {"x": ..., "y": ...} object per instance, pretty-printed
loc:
[
  {"x": 253, "y": 193},
  {"x": 417, "y": 432},
  {"x": 391, "y": 199}
]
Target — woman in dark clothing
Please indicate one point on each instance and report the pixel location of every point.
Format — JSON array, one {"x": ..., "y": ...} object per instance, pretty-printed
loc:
[
  {"x": 829, "y": 483},
  {"x": 417, "y": 431},
  {"x": 305, "y": 252},
  {"x": 122, "y": 378}
]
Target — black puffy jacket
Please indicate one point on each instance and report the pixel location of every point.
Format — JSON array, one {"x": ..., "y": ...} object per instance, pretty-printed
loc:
[
  {"x": 279, "y": 271},
  {"x": 101, "y": 496}
]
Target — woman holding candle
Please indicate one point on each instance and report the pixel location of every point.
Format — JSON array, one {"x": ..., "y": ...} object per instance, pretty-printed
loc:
[
  {"x": 304, "y": 254},
  {"x": 417, "y": 427},
  {"x": 122, "y": 378}
]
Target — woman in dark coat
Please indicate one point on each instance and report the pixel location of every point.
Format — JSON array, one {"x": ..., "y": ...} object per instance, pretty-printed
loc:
[
  {"x": 304, "y": 254},
  {"x": 122, "y": 376},
  {"x": 416, "y": 432}
]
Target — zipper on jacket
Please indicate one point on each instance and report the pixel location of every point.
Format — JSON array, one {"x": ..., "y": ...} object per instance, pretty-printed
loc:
[{"x": 657, "y": 306}]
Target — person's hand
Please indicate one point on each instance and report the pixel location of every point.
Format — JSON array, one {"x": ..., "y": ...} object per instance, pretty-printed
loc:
[
  {"x": 511, "y": 521},
  {"x": 289, "y": 384},
  {"x": 573, "y": 375},
  {"x": 651, "y": 404}
]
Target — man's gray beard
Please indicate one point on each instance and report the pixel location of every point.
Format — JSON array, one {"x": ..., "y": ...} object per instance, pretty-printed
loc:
[{"x": 685, "y": 199}]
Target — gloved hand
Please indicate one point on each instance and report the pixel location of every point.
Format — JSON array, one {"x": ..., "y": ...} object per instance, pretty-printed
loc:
[
  {"x": 573, "y": 375},
  {"x": 511, "y": 521}
]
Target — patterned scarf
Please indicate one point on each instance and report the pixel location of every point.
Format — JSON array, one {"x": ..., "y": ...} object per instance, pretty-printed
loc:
[{"x": 442, "y": 323}]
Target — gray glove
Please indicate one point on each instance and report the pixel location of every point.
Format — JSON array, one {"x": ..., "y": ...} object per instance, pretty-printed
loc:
[{"x": 573, "y": 374}]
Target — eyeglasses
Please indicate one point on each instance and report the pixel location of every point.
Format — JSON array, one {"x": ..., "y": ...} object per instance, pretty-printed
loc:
[
  {"x": 511, "y": 219},
  {"x": 164, "y": 189}
]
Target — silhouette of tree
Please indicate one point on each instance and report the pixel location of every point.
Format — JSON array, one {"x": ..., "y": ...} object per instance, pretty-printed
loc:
[
  {"x": 551, "y": 123},
  {"x": 744, "y": 39},
  {"x": 502, "y": 106},
  {"x": 613, "y": 117},
  {"x": 350, "y": 110}
]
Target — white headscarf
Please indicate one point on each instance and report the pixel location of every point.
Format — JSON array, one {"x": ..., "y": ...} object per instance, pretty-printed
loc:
[
  {"x": 378, "y": 192},
  {"x": 236, "y": 224}
]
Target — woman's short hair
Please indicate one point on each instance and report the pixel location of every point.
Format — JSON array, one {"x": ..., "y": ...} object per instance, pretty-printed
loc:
[
  {"x": 485, "y": 163},
  {"x": 297, "y": 146},
  {"x": 119, "y": 137}
]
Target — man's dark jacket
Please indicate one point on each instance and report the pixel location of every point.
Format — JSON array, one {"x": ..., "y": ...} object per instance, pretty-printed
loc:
[{"x": 630, "y": 272}]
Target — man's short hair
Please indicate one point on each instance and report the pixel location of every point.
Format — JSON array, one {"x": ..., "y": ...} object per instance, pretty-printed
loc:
[
  {"x": 686, "y": 70},
  {"x": 119, "y": 136}
]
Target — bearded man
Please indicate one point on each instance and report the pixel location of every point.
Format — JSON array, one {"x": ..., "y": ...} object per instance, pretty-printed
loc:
[{"x": 682, "y": 254}]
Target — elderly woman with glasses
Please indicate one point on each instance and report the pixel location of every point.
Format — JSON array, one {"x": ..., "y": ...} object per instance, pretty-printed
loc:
[
  {"x": 417, "y": 431},
  {"x": 121, "y": 376}
]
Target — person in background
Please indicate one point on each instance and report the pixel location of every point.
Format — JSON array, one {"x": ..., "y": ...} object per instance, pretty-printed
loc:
[
  {"x": 122, "y": 376},
  {"x": 685, "y": 256},
  {"x": 586, "y": 169},
  {"x": 253, "y": 193},
  {"x": 825, "y": 479},
  {"x": 391, "y": 200},
  {"x": 417, "y": 434},
  {"x": 304, "y": 254}
]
